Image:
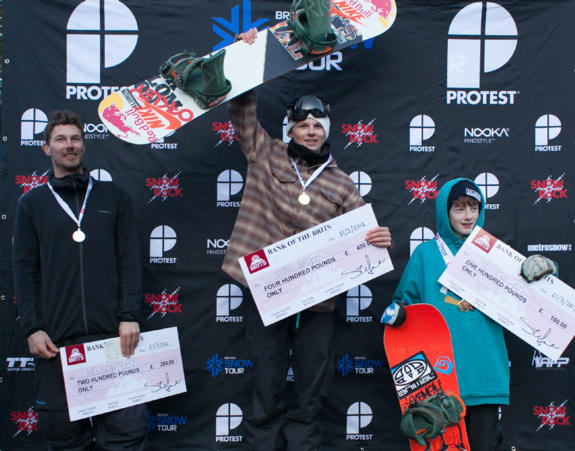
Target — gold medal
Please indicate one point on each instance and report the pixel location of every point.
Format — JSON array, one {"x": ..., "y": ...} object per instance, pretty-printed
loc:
[
  {"x": 303, "y": 198},
  {"x": 78, "y": 236},
  {"x": 464, "y": 306}
]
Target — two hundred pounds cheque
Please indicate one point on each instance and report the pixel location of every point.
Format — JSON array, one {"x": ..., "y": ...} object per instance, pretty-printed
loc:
[
  {"x": 99, "y": 379},
  {"x": 486, "y": 273},
  {"x": 314, "y": 265}
]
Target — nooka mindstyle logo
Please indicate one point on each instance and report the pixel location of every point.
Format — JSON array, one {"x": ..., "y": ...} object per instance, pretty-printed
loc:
[
  {"x": 216, "y": 365},
  {"x": 228, "y": 29},
  {"x": 229, "y": 183},
  {"x": 228, "y": 417},
  {"x": 552, "y": 415},
  {"x": 549, "y": 189},
  {"x": 164, "y": 187},
  {"x": 20, "y": 364},
  {"x": 95, "y": 131},
  {"x": 422, "y": 189},
  {"x": 32, "y": 123},
  {"x": 357, "y": 300},
  {"x": 164, "y": 303},
  {"x": 359, "y": 415},
  {"x": 27, "y": 421},
  {"x": 217, "y": 246},
  {"x": 228, "y": 298},
  {"x": 418, "y": 236},
  {"x": 226, "y": 133},
  {"x": 547, "y": 128},
  {"x": 164, "y": 422},
  {"x": 29, "y": 182},
  {"x": 358, "y": 365},
  {"x": 421, "y": 128},
  {"x": 162, "y": 239},
  {"x": 362, "y": 182},
  {"x": 485, "y": 135},
  {"x": 359, "y": 134},
  {"x": 482, "y": 39},
  {"x": 99, "y": 35},
  {"x": 488, "y": 183}
]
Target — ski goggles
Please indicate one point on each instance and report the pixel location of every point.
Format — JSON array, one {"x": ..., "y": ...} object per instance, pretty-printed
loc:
[{"x": 306, "y": 105}]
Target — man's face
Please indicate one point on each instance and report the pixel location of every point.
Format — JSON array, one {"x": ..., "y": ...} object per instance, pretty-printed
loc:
[
  {"x": 308, "y": 133},
  {"x": 463, "y": 215},
  {"x": 66, "y": 149}
]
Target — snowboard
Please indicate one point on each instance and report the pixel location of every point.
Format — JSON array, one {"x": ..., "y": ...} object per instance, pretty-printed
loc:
[
  {"x": 154, "y": 108},
  {"x": 420, "y": 356}
]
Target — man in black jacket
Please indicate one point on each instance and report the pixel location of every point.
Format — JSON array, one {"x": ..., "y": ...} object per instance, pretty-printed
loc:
[{"x": 77, "y": 278}]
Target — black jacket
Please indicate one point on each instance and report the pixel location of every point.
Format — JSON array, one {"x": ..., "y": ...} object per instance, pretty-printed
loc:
[{"x": 72, "y": 289}]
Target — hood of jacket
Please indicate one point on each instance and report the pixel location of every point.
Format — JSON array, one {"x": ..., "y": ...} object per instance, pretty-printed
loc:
[{"x": 442, "y": 214}]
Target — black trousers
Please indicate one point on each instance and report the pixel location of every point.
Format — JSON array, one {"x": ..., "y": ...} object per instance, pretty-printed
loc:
[
  {"x": 282, "y": 419},
  {"x": 481, "y": 423},
  {"x": 124, "y": 429}
]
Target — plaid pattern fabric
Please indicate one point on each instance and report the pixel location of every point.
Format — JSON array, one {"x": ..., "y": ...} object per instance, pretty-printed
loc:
[{"x": 269, "y": 209}]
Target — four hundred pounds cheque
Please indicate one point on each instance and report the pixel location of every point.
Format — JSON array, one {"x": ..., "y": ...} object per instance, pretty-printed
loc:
[{"x": 314, "y": 265}]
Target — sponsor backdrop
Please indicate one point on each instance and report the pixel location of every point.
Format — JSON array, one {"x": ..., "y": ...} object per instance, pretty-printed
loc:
[{"x": 477, "y": 89}]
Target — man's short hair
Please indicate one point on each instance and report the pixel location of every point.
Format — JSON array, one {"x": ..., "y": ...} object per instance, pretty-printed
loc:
[{"x": 62, "y": 117}]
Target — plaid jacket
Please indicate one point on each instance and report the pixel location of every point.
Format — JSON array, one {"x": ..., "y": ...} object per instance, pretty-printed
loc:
[{"x": 269, "y": 209}]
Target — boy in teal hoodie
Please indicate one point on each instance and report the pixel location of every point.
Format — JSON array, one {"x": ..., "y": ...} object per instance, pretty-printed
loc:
[{"x": 479, "y": 348}]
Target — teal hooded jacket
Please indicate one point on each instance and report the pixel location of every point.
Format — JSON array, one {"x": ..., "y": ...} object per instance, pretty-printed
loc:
[{"x": 479, "y": 349}]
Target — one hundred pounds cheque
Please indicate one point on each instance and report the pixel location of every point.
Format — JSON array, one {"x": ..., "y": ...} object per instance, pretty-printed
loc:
[
  {"x": 99, "y": 379},
  {"x": 486, "y": 273},
  {"x": 314, "y": 265}
]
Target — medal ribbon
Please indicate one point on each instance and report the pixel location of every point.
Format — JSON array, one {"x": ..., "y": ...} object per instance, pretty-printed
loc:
[
  {"x": 444, "y": 250},
  {"x": 67, "y": 208},
  {"x": 315, "y": 175}
]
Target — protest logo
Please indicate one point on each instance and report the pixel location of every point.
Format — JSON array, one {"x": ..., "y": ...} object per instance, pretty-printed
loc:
[
  {"x": 421, "y": 128},
  {"x": 547, "y": 128},
  {"x": 359, "y": 415}
]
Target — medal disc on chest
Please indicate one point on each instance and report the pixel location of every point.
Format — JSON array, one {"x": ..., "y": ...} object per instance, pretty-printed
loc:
[
  {"x": 78, "y": 236},
  {"x": 304, "y": 199}
]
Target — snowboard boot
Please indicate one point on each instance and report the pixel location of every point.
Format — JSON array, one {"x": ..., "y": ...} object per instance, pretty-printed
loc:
[
  {"x": 312, "y": 26},
  {"x": 201, "y": 78}
]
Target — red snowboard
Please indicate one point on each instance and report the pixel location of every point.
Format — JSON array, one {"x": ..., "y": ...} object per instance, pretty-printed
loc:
[{"x": 420, "y": 356}]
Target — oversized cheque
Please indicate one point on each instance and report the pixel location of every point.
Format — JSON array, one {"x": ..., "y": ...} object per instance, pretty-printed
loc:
[
  {"x": 98, "y": 379},
  {"x": 314, "y": 265},
  {"x": 486, "y": 273}
]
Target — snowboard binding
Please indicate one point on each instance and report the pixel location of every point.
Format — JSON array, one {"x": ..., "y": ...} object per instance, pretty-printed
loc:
[
  {"x": 312, "y": 26},
  {"x": 201, "y": 78},
  {"x": 428, "y": 419}
]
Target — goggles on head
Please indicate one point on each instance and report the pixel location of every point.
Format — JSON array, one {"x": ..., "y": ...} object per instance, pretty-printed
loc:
[{"x": 302, "y": 107}]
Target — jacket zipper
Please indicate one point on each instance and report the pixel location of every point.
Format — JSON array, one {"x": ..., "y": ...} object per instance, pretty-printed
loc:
[{"x": 82, "y": 295}]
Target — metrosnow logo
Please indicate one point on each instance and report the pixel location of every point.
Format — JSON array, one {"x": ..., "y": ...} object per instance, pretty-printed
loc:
[
  {"x": 362, "y": 182},
  {"x": 29, "y": 182},
  {"x": 164, "y": 187},
  {"x": 359, "y": 415},
  {"x": 162, "y": 239},
  {"x": 228, "y": 298},
  {"x": 164, "y": 303},
  {"x": 32, "y": 123},
  {"x": 358, "y": 299},
  {"x": 482, "y": 39},
  {"x": 100, "y": 35},
  {"x": 216, "y": 365},
  {"x": 358, "y": 365},
  {"x": 422, "y": 189},
  {"x": 547, "y": 127},
  {"x": 488, "y": 183},
  {"x": 549, "y": 188},
  {"x": 228, "y": 417},
  {"x": 27, "y": 421},
  {"x": 418, "y": 236},
  {"x": 421, "y": 128},
  {"x": 228, "y": 29},
  {"x": 164, "y": 422},
  {"x": 552, "y": 415},
  {"x": 359, "y": 134},
  {"x": 226, "y": 133},
  {"x": 229, "y": 183}
]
